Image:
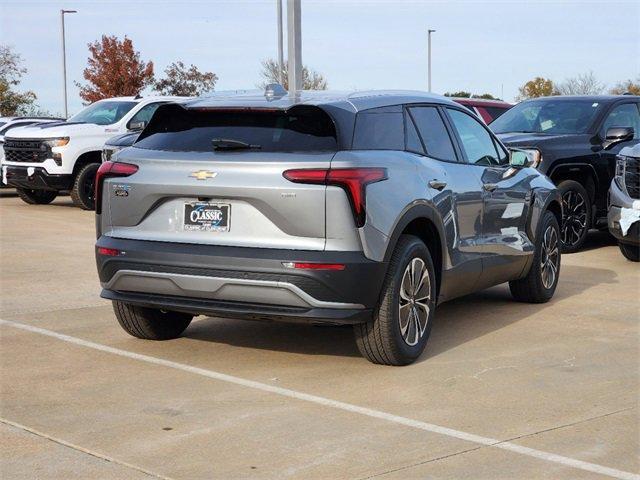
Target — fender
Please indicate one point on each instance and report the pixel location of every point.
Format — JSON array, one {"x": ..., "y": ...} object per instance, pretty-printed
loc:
[
  {"x": 541, "y": 199},
  {"x": 574, "y": 166}
]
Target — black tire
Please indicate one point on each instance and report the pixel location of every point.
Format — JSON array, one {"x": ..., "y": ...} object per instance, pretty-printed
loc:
[
  {"x": 630, "y": 252},
  {"x": 36, "y": 197},
  {"x": 381, "y": 340},
  {"x": 83, "y": 191},
  {"x": 576, "y": 215},
  {"x": 537, "y": 286},
  {"x": 149, "y": 323}
]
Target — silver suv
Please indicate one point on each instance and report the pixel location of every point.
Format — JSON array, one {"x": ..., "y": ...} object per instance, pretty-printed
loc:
[{"x": 366, "y": 209}]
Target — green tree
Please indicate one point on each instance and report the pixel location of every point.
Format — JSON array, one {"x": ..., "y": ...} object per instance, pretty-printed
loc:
[
  {"x": 311, "y": 80},
  {"x": 12, "y": 102},
  {"x": 538, "y": 87},
  {"x": 460, "y": 94},
  {"x": 188, "y": 82}
]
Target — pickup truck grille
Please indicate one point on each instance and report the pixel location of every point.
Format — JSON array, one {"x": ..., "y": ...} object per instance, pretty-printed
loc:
[
  {"x": 632, "y": 177},
  {"x": 32, "y": 151}
]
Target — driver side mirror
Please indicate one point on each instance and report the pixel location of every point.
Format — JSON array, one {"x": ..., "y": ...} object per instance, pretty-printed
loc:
[
  {"x": 137, "y": 126},
  {"x": 523, "y": 158},
  {"x": 617, "y": 135}
]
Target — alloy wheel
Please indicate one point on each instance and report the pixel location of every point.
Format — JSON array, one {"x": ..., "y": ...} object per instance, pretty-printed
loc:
[
  {"x": 415, "y": 296},
  {"x": 550, "y": 257},
  {"x": 574, "y": 217}
]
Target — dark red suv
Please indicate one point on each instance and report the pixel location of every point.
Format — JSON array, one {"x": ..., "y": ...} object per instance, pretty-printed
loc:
[{"x": 487, "y": 110}]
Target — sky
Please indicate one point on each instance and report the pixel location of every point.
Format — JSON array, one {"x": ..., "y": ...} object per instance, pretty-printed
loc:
[{"x": 479, "y": 46}]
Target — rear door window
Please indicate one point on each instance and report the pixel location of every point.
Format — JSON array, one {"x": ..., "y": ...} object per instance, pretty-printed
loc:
[
  {"x": 302, "y": 129},
  {"x": 379, "y": 129},
  {"x": 414, "y": 144},
  {"x": 433, "y": 132}
]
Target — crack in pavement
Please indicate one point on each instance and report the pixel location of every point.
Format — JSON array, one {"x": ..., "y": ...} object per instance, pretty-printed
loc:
[
  {"x": 77, "y": 448},
  {"x": 526, "y": 435}
]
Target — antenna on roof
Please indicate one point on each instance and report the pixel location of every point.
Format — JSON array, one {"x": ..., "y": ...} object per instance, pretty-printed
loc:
[
  {"x": 274, "y": 91},
  {"x": 137, "y": 97}
]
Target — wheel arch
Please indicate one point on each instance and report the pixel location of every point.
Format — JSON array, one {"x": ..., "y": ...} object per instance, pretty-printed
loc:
[
  {"x": 92, "y": 156},
  {"x": 582, "y": 173},
  {"x": 424, "y": 222}
]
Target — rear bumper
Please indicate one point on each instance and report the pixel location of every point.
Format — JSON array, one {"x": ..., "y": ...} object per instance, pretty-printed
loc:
[
  {"x": 240, "y": 282},
  {"x": 36, "y": 178}
]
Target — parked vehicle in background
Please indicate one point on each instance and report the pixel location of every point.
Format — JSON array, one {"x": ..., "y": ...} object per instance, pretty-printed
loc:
[
  {"x": 42, "y": 160},
  {"x": 117, "y": 143},
  {"x": 577, "y": 139},
  {"x": 487, "y": 110},
  {"x": 624, "y": 203},
  {"x": 9, "y": 123},
  {"x": 366, "y": 209}
]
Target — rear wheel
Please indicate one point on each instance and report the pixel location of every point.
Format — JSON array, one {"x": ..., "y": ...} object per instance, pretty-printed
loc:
[
  {"x": 36, "y": 197},
  {"x": 630, "y": 252},
  {"x": 576, "y": 215},
  {"x": 540, "y": 283},
  {"x": 401, "y": 324},
  {"x": 83, "y": 191},
  {"x": 150, "y": 323}
]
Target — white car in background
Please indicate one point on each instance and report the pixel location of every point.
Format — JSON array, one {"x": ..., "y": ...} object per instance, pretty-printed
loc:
[{"x": 44, "y": 159}]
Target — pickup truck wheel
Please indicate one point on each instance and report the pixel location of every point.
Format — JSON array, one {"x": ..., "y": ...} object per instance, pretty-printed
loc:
[
  {"x": 630, "y": 252},
  {"x": 36, "y": 197},
  {"x": 401, "y": 324},
  {"x": 150, "y": 323},
  {"x": 576, "y": 215},
  {"x": 83, "y": 191},
  {"x": 540, "y": 283}
]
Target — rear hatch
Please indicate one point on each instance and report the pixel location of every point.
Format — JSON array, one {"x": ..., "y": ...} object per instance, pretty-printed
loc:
[{"x": 213, "y": 176}]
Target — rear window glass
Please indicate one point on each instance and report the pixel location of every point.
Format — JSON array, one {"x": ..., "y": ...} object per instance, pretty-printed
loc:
[
  {"x": 298, "y": 129},
  {"x": 379, "y": 131}
]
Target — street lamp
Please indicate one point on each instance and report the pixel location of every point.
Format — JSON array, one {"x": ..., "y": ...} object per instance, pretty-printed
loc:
[
  {"x": 429, "y": 43},
  {"x": 280, "y": 45},
  {"x": 64, "y": 61}
]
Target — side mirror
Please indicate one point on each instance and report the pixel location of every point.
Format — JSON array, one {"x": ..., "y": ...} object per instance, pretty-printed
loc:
[
  {"x": 137, "y": 125},
  {"x": 524, "y": 158},
  {"x": 617, "y": 135}
]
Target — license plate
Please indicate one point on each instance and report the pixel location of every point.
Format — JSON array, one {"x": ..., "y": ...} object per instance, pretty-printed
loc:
[{"x": 206, "y": 217}]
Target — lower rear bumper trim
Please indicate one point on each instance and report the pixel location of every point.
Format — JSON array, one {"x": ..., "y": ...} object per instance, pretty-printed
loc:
[{"x": 246, "y": 311}]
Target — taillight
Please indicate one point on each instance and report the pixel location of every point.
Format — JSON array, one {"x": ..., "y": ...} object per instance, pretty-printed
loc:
[
  {"x": 107, "y": 170},
  {"x": 109, "y": 252},
  {"x": 353, "y": 180},
  {"x": 314, "y": 265}
]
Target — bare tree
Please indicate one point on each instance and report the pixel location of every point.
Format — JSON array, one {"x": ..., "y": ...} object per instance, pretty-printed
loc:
[
  {"x": 311, "y": 80},
  {"x": 188, "y": 82},
  {"x": 585, "y": 84}
]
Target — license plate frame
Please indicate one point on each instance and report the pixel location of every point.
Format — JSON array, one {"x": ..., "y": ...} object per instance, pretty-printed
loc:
[{"x": 206, "y": 217}]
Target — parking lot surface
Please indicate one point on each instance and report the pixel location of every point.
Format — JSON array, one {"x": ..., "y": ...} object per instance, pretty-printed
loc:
[{"x": 504, "y": 390}]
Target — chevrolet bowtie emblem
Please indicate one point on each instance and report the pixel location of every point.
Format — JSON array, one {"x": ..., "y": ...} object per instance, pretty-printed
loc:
[{"x": 203, "y": 174}]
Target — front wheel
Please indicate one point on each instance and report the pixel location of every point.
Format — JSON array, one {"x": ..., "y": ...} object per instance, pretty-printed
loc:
[
  {"x": 630, "y": 252},
  {"x": 150, "y": 323},
  {"x": 83, "y": 191},
  {"x": 36, "y": 197},
  {"x": 540, "y": 283},
  {"x": 576, "y": 215},
  {"x": 401, "y": 323}
]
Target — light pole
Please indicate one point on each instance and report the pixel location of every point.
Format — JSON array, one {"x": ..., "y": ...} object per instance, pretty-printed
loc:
[
  {"x": 280, "y": 45},
  {"x": 429, "y": 48},
  {"x": 294, "y": 47},
  {"x": 64, "y": 61}
]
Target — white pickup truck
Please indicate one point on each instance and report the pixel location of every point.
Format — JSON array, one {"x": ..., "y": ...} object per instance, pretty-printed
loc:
[{"x": 42, "y": 160}]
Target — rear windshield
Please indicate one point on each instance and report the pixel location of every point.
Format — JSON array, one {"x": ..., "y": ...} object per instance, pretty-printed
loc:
[{"x": 298, "y": 129}]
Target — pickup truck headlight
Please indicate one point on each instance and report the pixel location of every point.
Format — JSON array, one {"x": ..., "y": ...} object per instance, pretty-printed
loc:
[
  {"x": 621, "y": 163},
  {"x": 109, "y": 153},
  {"x": 55, "y": 142}
]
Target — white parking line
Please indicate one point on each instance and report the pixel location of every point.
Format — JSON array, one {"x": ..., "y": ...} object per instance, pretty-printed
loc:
[{"x": 327, "y": 402}]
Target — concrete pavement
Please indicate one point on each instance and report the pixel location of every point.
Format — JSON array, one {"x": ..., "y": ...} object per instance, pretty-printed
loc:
[{"x": 561, "y": 378}]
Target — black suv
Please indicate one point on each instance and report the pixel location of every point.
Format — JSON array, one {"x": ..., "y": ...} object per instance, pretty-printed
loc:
[{"x": 577, "y": 139}]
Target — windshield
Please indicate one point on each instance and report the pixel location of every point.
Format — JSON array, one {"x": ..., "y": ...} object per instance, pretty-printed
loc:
[
  {"x": 103, "y": 113},
  {"x": 548, "y": 117}
]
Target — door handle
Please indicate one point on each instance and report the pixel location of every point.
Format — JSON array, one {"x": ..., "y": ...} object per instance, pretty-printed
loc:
[
  {"x": 437, "y": 184},
  {"x": 490, "y": 187}
]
